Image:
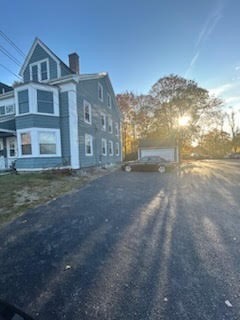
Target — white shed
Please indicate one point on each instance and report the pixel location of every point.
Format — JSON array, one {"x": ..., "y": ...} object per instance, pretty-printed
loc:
[{"x": 155, "y": 148}]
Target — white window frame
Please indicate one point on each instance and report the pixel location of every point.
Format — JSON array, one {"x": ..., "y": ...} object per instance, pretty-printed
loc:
[
  {"x": 90, "y": 137},
  {"x": 8, "y": 147},
  {"x": 39, "y": 148},
  {"x": 32, "y": 99},
  {"x": 38, "y": 64},
  {"x": 109, "y": 101},
  {"x": 5, "y": 109},
  {"x": 117, "y": 129},
  {"x": 19, "y": 133},
  {"x": 101, "y": 88},
  {"x": 110, "y": 121},
  {"x": 105, "y": 121},
  {"x": 104, "y": 141},
  {"x": 85, "y": 105},
  {"x": 117, "y": 147},
  {"x": 35, "y": 142},
  {"x": 110, "y": 153}
]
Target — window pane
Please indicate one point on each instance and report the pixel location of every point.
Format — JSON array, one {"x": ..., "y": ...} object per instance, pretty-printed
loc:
[
  {"x": 10, "y": 109},
  {"x": 26, "y": 143},
  {"x": 23, "y": 101},
  {"x": 2, "y": 110},
  {"x": 45, "y": 101},
  {"x": 35, "y": 73},
  {"x": 47, "y": 143},
  {"x": 44, "y": 74}
]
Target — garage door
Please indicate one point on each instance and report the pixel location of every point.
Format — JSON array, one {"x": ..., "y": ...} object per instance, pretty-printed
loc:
[{"x": 167, "y": 154}]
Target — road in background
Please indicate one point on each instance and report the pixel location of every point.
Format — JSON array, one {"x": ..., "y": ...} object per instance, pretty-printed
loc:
[{"x": 131, "y": 246}]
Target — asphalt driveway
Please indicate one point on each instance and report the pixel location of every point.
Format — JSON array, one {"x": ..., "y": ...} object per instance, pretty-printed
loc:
[{"x": 131, "y": 246}]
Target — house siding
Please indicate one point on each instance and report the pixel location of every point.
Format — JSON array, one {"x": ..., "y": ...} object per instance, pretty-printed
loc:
[
  {"x": 88, "y": 90},
  {"x": 38, "y": 163},
  {"x": 37, "y": 121},
  {"x": 64, "y": 125},
  {"x": 64, "y": 70}
]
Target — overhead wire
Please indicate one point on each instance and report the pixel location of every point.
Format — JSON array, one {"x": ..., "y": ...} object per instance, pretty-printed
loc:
[{"x": 3, "y": 35}]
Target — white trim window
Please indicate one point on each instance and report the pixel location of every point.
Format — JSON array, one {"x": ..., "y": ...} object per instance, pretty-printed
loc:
[
  {"x": 1, "y": 148},
  {"x": 116, "y": 129},
  {"x": 104, "y": 147},
  {"x": 110, "y": 125},
  {"x": 26, "y": 143},
  {"x": 7, "y": 109},
  {"x": 88, "y": 145},
  {"x": 45, "y": 102},
  {"x": 47, "y": 141},
  {"x": 109, "y": 101},
  {"x": 110, "y": 148},
  {"x": 39, "y": 142},
  {"x": 12, "y": 147},
  {"x": 103, "y": 121},
  {"x": 117, "y": 148},
  {"x": 39, "y": 71},
  {"x": 87, "y": 109},
  {"x": 100, "y": 92}
]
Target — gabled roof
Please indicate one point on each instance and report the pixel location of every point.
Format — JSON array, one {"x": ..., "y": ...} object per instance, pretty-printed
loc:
[
  {"x": 36, "y": 42},
  {"x": 5, "y": 88}
]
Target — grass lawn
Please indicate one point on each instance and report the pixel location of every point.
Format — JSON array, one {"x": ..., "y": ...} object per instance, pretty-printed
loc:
[{"x": 22, "y": 191}]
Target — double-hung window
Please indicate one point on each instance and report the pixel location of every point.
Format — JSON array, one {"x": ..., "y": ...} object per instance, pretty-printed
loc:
[
  {"x": 104, "y": 147},
  {"x": 23, "y": 101},
  {"x": 117, "y": 148},
  {"x": 110, "y": 125},
  {"x": 88, "y": 145},
  {"x": 26, "y": 144},
  {"x": 116, "y": 129},
  {"x": 39, "y": 71},
  {"x": 45, "y": 102},
  {"x": 87, "y": 112},
  {"x": 47, "y": 143},
  {"x": 110, "y": 148},
  {"x": 103, "y": 121}
]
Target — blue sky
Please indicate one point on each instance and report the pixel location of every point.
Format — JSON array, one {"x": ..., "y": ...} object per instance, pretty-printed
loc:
[{"x": 136, "y": 41}]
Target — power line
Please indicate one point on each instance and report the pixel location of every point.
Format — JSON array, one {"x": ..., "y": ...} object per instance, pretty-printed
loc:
[
  {"x": 12, "y": 44},
  {"x": 10, "y": 71},
  {"x": 9, "y": 55}
]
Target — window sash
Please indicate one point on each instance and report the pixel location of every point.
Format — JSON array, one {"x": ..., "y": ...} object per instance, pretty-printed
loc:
[
  {"x": 26, "y": 146},
  {"x": 47, "y": 143},
  {"x": 88, "y": 145}
]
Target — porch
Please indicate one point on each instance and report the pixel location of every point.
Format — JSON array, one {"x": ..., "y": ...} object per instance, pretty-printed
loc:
[{"x": 8, "y": 148}]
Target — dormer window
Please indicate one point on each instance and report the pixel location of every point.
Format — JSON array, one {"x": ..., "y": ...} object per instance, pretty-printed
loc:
[{"x": 39, "y": 71}]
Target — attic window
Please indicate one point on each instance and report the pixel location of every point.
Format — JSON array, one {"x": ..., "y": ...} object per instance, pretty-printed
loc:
[{"x": 39, "y": 71}]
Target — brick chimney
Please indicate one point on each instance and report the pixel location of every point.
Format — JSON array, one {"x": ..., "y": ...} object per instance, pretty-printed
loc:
[{"x": 74, "y": 62}]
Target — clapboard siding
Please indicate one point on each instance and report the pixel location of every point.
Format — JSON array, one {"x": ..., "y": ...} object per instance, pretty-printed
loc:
[
  {"x": 88, "y": 90},
  {"x": 64, "y": 125},
  {"x": 39, "y": 163},
  {"x": 37, "y": 121}
]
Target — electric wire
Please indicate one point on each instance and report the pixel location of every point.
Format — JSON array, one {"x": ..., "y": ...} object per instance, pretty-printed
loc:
[{"x": 3, "y": 35}]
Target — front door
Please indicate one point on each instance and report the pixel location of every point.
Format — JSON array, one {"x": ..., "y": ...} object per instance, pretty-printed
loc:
[
  {"x": 2, "y": 159},
  {"x": 11, "y": 150}
]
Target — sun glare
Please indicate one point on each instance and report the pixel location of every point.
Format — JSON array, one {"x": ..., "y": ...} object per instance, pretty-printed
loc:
[{"x": 183, "y": 121}]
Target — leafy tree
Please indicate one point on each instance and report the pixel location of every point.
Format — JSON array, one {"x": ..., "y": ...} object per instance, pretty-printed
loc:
[
  {"x": 235, "y": 130},
  {"x": 216, "y": 143},
  {"x": 175, "y": 97}
]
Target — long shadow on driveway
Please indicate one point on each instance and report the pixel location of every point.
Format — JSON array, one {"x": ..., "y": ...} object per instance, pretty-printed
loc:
[{"x": 127, "y": 246}]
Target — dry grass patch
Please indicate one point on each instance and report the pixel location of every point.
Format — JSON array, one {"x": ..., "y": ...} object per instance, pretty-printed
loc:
[{"x": 22, "y": 191}]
